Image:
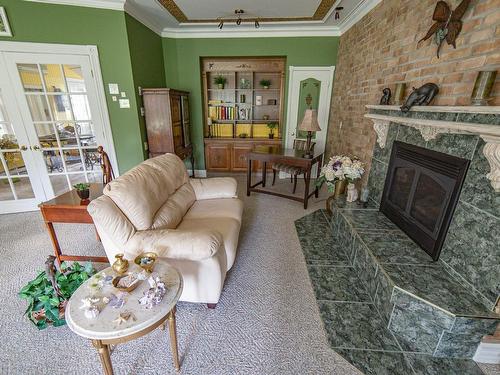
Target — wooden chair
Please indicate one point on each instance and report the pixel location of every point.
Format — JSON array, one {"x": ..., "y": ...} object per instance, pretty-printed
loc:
[{"x": 298, "y": 144}]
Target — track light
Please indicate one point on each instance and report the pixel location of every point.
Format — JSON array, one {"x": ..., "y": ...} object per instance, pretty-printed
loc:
[
  {"x": 337, "y": 12},
  {"x": 221, "y": 24},
  {"x": 257, "y": 24}
]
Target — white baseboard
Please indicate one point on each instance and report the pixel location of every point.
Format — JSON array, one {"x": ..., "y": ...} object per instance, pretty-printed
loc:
[
  {"x": 488, "y": 353},
  {"x": 198, "y": 173}
]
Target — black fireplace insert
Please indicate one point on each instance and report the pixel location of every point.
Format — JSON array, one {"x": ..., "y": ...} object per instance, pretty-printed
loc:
[{"x": 420, "y": 193}]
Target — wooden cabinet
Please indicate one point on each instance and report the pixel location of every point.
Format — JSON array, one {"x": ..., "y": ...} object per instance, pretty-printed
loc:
[
  {"x": 229, "y": 155},
  {"x": 168, "y": 123}
]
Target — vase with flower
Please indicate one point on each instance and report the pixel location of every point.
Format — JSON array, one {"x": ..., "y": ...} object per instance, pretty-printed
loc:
[{"x": 341, "y": 170}]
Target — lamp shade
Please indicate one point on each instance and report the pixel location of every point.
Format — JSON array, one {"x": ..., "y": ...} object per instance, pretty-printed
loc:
[{"x": 310, "y": 121}]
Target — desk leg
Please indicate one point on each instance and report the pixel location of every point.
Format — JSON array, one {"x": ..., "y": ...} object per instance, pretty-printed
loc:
[
  {"x": 307, "y": 181},
  {"x": 173, "y": 338},
  {"x": 318, "y": 172},
  {"x": 192, "y": 163},
  {"x": 104, "y": 354},
  {"x": 55, "y": 242},
  {"x": 249, "y": 176},
  {"x": 264, "y": 173}
]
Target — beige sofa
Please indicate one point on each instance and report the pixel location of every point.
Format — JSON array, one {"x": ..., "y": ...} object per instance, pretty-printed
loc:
[{"x": 193, "y": 223}]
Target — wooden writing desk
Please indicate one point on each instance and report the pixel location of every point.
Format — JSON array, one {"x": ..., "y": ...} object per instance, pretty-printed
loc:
[
  {"x": 277, "y": 154},
  {"x": 69, "y": 208}
]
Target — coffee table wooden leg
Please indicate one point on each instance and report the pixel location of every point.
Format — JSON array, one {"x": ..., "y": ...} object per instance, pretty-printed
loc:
[
  {"x": 104, "y": 355},
  {"x": 55, "y": 242},
  {"x": 173, "y": 338}
]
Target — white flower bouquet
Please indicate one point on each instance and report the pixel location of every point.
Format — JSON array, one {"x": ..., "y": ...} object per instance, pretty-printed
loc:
[{"x": 340, "y": 167}]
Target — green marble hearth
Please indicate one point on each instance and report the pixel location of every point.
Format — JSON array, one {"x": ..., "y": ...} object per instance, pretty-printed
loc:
[{"x": 355, "y": 259}]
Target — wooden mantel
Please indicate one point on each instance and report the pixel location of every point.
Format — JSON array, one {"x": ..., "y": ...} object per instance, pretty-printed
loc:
[{"x": 430, "y": 129}]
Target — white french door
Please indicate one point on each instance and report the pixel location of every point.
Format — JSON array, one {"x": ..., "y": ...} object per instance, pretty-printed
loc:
[{"x": 51, "y": 126}]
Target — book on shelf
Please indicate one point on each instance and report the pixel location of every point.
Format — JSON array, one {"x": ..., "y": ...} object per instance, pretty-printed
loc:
[{"x": 221, "y": 112}]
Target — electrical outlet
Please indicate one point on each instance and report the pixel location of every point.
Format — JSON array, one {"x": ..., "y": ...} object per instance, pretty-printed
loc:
[
  {"x": 340, "y": 126},
  {"x": 139, "y": 89},
  {"x": 143, "y": 112},
  {"x": 146, "y": 146}
]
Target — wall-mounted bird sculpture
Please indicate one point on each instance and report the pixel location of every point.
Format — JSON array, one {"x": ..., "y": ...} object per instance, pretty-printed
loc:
[{"x": 448, "y": 23}]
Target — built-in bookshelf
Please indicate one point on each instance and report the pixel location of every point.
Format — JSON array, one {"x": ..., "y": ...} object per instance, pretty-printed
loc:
[{"x": 242, "y": 108}]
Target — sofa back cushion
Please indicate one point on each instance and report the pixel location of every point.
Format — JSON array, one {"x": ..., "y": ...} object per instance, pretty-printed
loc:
[{"x": 142, "y": 192}]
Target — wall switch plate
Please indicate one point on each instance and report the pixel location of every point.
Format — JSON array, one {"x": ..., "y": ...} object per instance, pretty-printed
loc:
[
  {"x": 123, "y": 94},
  {"x": 139, "y": 89},
  {"x": 113, "y": 98},
  {"x": 124, "y": 103},
  {"x": 113, "y": 88}
]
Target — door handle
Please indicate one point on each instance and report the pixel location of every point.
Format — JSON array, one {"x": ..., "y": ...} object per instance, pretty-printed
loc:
[
  {"x": 36, "y": 148},
  {"x": 23, "y": 148}
]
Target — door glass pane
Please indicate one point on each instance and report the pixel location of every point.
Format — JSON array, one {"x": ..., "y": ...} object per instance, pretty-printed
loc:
[
  {"x": 38, "y": 108},
  {"x": 5, "y": 190},
  {"x": 59, "y": 104},
  {"x": 95, "y": 177},
  {"x": 8, "y": 139},
  {"x": 308, "y": 99},
  {"x": 46, "y": 135},
  {"x": 15, "y": 164},
  {"x": 76, "y": 178},
  {"x": 53, "y": 161},
  {"x": 59, "y": 184},
  {"x": 86, "y": 133},
  {"x": 22, "y": 187},
  {"x": 30, "y": 77},
  {"x": 54, "y": 80},
  {"x": 92, "y": 160},
  {"x": 67, "y": 134},
  {"x": 80, "y": 105},
  {"x": 74, "y": 78},
  {"x": 73, "y": 160}
]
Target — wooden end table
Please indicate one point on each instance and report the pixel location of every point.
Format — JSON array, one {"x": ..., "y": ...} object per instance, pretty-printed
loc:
[
  {"x": 277, "y": 154},
  {"x": 69, "y": 208},
  {"x": 104, "y": 330}
]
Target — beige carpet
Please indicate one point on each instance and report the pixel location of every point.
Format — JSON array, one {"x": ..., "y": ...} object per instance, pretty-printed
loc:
[{"x": 267, "y": 321}]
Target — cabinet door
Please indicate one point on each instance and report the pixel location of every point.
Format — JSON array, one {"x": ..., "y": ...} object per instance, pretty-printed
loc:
[
  {"x": 218, "y": 157},
  {"x": 186, "y": 133},
  {"x": 239, "y": 158},
  {"x": 175, "y": 112}
]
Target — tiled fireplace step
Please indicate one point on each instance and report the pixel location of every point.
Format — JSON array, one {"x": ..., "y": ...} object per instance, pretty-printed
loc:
[{"x": 427, "y": 308}]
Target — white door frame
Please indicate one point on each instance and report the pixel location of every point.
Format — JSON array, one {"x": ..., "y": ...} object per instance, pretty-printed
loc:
[
  {"x": 92, "y": 53},
  {"x": 296, "y": 73}
]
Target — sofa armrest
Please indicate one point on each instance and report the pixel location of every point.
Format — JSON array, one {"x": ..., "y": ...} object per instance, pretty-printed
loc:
[
  {"x": 214, "y": 188},
  {"x": 193, "y": 245}
]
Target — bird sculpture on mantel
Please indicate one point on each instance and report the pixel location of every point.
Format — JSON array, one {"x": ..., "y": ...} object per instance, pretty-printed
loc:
[{"x": 448, "y": 23}]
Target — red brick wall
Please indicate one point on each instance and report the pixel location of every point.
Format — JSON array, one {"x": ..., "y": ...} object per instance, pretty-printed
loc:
[{"x": 381, "y": 50}]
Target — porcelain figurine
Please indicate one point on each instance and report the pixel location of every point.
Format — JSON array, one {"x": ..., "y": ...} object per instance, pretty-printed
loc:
[{"x": 352, "y": 193}]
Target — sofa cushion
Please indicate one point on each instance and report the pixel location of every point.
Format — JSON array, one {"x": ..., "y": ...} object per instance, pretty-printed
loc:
[
  {"x": 229, "y": 228},
  {"x": 143, "y": 190},
  {"x": 216, "y": 208},
  {"x": 195, "y": 244},
  {"x": 214, "y": 187},
  {"x": 171, "y": 213}
]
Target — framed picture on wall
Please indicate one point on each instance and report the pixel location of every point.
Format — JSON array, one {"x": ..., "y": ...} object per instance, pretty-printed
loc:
[{"x": 4, "y": 23}]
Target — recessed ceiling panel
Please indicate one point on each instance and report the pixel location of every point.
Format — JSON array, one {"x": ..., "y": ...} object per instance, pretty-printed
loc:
[{"x": 195, "y": 11}]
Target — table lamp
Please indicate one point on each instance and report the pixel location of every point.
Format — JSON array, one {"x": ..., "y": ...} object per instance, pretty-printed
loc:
[{"x": 309, "y": 124}]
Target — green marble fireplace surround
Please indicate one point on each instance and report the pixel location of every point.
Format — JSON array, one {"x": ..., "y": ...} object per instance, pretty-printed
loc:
[{"x": 386, "y": 305}]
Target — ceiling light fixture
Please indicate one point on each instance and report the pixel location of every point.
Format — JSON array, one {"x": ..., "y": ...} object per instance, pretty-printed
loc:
[
  {"x": 337, "y": 12},
  {"x": 240, "y": 17}
]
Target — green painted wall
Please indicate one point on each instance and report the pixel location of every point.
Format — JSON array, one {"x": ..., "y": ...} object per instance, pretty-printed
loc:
[
  {"x": 182, "y": 65},
  {"x": 107, "y": 29},
  {"x": 146, "y": 55}
]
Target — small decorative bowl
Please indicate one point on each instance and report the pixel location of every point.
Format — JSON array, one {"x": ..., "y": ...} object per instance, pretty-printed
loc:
[
  {"x": 146, "y": 261},
  {"x": 128, "y": 289}
]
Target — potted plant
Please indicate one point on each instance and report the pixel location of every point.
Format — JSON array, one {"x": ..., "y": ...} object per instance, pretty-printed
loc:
[
  {"x": 220, "y": 81},
  {"x": 45, "y": 305},
  {"x": 265, "y": 83},
  {"x": 271, "y": 126},
  {"x": 82, "y": 189}
]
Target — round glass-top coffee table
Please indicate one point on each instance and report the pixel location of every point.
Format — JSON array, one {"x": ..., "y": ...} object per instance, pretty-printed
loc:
[{"x": 116, "y": 323}]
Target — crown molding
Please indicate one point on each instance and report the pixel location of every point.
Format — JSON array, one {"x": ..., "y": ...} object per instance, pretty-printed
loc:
[
  {"x": 101, "y": 4},
  {"x": 357, "y": 14},
  {"x": 250, "y": 32},
  {"x": 137, "y": 13}
]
